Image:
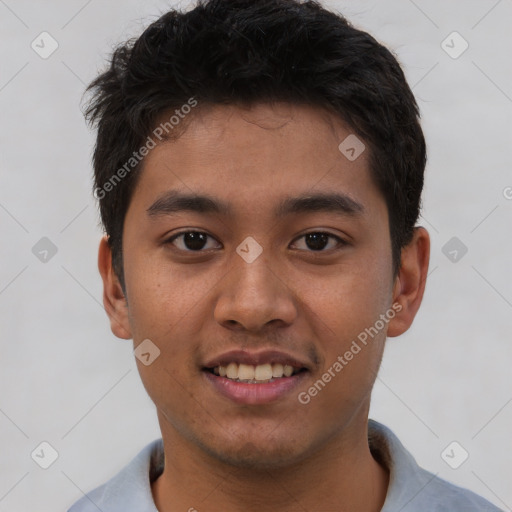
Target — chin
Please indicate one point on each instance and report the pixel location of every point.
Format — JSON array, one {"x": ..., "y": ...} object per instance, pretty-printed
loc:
[
  {"x": 261, "y": 454},
  {"x": 256, "y": 458}
]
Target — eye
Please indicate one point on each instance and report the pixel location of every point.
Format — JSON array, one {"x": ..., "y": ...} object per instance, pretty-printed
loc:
[
  {"x": 317, "y": 241},
  {"x": 190, "y": 241},
  {"x": 197, "y": 241}
]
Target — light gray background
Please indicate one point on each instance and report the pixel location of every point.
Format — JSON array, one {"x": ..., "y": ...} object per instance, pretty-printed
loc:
[{"x": 67, "y": 380}]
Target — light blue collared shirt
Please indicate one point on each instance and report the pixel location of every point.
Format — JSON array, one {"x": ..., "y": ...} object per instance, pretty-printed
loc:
[{"x": 411, "y": 488}]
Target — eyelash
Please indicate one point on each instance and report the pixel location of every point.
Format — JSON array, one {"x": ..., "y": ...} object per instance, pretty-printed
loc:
[{"x": 340, "y": 241}]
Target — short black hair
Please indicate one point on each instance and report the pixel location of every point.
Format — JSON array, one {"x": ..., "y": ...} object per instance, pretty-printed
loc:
[{"x": 248, "y": 52}]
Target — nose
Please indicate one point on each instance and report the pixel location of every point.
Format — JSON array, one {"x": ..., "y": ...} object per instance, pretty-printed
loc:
[{"x": 254, "y": 296}]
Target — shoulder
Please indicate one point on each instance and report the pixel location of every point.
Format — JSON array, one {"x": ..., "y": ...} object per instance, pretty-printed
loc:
[
  {"x": 412, "y": 488},
  {"x": 442, "y": 496},
  {"x": 130, "y": 489}
]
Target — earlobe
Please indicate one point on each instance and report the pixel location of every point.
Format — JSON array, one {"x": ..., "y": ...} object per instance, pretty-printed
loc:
[
  {"x": 114, "y": 299},
  {"x": 410, "y": 282}
]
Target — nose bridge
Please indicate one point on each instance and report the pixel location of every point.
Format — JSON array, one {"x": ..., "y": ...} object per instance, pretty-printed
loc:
[
  {"x": 253, "y": 294},
  {"x": 254, "y": 278}
]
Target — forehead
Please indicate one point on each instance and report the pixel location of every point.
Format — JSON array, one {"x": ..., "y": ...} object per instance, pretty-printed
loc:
[{"x": 257, "y": 155}]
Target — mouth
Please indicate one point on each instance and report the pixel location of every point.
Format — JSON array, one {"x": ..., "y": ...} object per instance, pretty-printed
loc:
[
  {"x": 252, "y": 374},
  {"x": 256, "y": 378}
]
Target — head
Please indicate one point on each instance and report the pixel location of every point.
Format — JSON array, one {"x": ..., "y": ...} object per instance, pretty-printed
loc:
[{"x": 298, "y": 131}]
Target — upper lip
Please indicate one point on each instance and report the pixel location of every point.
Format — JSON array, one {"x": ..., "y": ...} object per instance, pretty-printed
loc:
[{"x": 256, "y": 358}]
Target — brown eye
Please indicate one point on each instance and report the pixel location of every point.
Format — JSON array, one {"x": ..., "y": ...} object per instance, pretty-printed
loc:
[
  {"x": 317, "y": 241},
  {"x": 191, "y": 241}
]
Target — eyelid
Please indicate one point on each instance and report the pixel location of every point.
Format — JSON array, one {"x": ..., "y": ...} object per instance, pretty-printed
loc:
[
  {"x": 170, "y": 240},
  {"x": 341, "y": 242}
]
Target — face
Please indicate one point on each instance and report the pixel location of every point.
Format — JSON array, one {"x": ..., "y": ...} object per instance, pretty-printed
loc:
[{"x": 258, "y": 281}]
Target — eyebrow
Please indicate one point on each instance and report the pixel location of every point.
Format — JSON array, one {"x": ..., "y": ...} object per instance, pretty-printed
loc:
[{"x": 174, "y": 202}]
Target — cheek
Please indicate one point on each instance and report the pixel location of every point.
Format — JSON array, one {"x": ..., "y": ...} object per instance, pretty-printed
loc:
[
  {"x": 160, "y": 310},
  {"x": 158, "y": 297},
  {"x": 351, "y": 335},
  {"x": 349, "y": 301},
  {"x": 170, "y": 308},
  {"x": 346, "y": 310}
]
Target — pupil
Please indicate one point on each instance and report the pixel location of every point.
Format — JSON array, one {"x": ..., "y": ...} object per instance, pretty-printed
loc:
[
  {"x": 194, "y": 241},
  {"x": 316, "y": 241}
]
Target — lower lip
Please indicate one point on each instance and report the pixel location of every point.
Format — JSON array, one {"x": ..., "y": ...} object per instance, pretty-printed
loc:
[{"x": 254, "y": 394}]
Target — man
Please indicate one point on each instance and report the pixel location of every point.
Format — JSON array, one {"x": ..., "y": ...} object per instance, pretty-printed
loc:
[{"x": 259, "y": 168}]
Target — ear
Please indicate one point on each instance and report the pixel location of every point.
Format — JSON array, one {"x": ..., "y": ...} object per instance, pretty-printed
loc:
[
  {"x": 410, "y": 282},
  {"x": 113, "y": 295}
]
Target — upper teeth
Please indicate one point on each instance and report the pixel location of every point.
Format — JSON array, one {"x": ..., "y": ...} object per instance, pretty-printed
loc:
[{"x": 249, "y": 372}]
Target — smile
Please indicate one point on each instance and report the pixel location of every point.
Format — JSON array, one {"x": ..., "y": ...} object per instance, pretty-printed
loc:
[
  {"x": 255, "y": 374},
  {"x": 246, "y": 384}
]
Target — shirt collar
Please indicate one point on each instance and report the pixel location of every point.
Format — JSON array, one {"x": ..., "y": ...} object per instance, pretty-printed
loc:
[{"x": 130, "y": 489}]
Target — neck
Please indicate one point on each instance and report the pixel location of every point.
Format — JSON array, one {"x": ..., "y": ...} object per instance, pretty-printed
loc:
[{"x": 342, "y": 476}]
